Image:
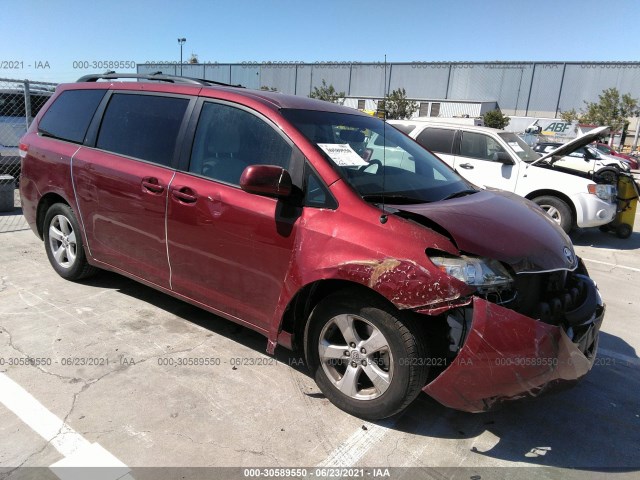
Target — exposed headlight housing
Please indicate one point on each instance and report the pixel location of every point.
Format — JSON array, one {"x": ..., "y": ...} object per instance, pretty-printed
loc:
[
  {"x": 485, "y": 274},
  {"x": 605, "y": 192}
]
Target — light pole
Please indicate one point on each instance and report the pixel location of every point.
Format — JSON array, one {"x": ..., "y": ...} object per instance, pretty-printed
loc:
[{"x": 181, "y": 42}]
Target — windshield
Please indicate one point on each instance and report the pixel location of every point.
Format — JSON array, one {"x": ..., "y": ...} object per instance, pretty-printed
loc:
[
  {"x": 519, "y": 146},
  {"x": 594, "y": 152},
  {"x": 378, "y": 161}
]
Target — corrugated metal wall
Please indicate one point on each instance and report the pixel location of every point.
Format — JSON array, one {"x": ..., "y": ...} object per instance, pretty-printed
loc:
[
  {"x": 540, "y": 89},
  {"x": 450, "y": 110},
  {"x": 427, "y": 81},
  {"x": 585, "y": 81},
  {"x": 544, "y": 92}
]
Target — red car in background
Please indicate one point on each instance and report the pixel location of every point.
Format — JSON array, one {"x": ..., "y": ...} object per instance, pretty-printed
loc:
[{"x": 604, "y": 148}]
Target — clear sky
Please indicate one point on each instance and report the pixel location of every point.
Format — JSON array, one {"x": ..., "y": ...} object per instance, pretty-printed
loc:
[{"x": 45, "y": 38}]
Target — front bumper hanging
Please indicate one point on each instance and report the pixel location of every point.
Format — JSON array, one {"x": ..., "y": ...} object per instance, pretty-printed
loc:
[{"x": 507, "y": 356}]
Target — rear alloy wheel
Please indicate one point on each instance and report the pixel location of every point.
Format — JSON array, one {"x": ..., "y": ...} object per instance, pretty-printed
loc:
[
  {"x": 366, "y": 359},
  {"x": 63, "y": 243},
  {"x": 557, "y": 209}
]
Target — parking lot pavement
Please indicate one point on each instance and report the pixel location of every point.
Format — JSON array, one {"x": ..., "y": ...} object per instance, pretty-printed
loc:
[{"x": 122, "y": 381}]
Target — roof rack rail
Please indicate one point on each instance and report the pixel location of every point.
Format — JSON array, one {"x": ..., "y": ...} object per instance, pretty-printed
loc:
[
  {"x": 213, "y": 82},
  {"x": 156, "y": 76}
]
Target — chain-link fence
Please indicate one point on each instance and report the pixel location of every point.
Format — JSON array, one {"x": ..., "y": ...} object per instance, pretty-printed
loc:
[{"x": 20, "y": 102}]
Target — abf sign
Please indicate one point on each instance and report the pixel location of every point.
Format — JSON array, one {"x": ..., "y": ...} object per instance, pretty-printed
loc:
[{"x": 559, "y": 129}]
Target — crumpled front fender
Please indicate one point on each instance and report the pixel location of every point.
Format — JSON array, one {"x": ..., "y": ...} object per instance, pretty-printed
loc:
[{"x": 507, "y": 356}]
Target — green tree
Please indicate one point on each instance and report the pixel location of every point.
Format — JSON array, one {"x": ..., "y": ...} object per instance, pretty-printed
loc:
[
  {"x": 495, "y": 119},
  {"x": 397, "y": 106},
  {"x": 570, "y": 116},
  {"x": 327, "y": 93},
  {"x": 611, "y": 109}
]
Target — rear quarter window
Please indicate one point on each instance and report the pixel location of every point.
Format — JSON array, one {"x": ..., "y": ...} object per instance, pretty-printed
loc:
[
  {"x": 439, "y": 140},
  {"x": 142, "y": 126},
  {"x": 69, "y": 116}
]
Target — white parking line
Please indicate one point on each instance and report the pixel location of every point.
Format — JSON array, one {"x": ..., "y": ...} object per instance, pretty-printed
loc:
[
  {"x": 77, "y": 450},
  {"x": 349, "y": 452},
  {"x": 354, "y": 448},
  {"x": 615, "y": 265}
]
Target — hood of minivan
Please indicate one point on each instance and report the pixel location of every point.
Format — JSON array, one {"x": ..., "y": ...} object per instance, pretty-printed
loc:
[
  {"x": 502, "y": 226},
  {"x": 574, "y": 144}
]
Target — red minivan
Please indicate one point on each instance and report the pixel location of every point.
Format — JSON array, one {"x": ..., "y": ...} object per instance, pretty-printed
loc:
[{"x": 324, "y": 229}]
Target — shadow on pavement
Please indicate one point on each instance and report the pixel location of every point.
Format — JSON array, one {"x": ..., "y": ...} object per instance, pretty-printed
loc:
[
  {"x": 594, "y": 426},
  {"x": 593, "y": 237}
]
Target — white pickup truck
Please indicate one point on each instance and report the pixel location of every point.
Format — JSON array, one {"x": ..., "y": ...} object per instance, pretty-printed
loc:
[{"x": 497, "y": 159}]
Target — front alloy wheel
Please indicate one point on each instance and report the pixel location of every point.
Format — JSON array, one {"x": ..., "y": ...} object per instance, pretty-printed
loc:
[
  {"x": 558, "y": 210},
  {"x": 356, "y": 357},
  {"x": 368, "y": 359}
]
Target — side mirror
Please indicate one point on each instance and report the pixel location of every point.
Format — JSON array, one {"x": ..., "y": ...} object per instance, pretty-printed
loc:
[
  {"x": 503, "y": 157},
  {"x": 588, "y": 156},
  {"x": 267, "y": 180}
]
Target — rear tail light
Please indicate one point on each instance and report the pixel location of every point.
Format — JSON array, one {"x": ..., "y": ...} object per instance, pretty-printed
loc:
[{"x": 23, "y": 149}]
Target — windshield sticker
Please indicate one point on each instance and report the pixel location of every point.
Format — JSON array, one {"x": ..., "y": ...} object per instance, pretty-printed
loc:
[
  {"x": 342, "y": 154},
  {"x": 516, "y": 148}
]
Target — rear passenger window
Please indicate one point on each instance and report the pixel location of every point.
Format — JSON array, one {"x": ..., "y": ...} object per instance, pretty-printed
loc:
[
  {"x": 480, "y": 146},
  {"x": 229, "y": 139},
  {"x": 69, "y": 116},
  {"x": 437, "y": 140},
  {"x": 142, "y": 126}
]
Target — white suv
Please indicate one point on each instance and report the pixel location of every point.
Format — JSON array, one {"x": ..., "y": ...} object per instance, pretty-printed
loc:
[{"x": 498, "y": 159}]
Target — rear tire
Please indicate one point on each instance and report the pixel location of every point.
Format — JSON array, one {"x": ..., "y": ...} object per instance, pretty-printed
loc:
[
  {"x": 557, "y": 209},
  {"x": 64, "y": 244},
  {"x": 367, "y": 359}
]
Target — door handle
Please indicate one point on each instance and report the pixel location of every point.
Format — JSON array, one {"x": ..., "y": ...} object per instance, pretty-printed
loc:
[
  {"x": 152, "y": 185},
  {"x": 466, "y": 166},
  {"x": 185, "y": 194}
]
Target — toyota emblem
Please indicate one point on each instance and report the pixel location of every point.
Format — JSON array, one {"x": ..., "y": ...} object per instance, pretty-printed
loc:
[{"x": 568, "y": 254}]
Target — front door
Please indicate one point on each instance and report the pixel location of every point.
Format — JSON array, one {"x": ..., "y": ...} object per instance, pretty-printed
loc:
[
  {"x": 477, "y": 162},
  {"x": 229, "y": 249}
]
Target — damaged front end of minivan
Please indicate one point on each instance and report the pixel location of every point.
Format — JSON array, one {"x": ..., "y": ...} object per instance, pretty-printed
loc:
[
  {"x": 508, "y": 350},
  {"x": 533, "y": 321}
]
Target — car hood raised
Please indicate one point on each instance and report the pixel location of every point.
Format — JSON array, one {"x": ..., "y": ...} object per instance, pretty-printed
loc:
[
  {"x": 574, "y": 144},
  {"x": 502, "y": 226}
]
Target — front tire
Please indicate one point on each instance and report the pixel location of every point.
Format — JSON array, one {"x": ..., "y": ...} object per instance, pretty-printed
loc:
[
  {"x": 366, "y": 358},
  {"x": 64, "y": 245},
  {"x": 558, "y": 210}
]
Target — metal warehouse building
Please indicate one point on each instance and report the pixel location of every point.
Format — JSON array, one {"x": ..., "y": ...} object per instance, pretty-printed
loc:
[{"x": 530, "y": 89}]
